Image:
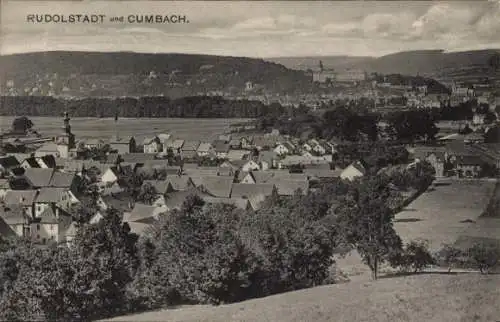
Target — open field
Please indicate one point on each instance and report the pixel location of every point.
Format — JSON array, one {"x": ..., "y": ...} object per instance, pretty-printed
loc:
[
  {"x": 87, "y": 127},
  {"x": 438, "y": 215},
  {"x": 425, "y": 297}
]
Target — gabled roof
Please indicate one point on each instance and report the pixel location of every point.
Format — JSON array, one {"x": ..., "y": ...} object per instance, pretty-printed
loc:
[
  {"x": 217, "y": 186},
  {"x": 288, "y": 187},
  {"x": 50, "y": 195},
  {"x": 111, "y": 189},
  {"x": 469, "y": 160},
  {"x": 243, "y": 190},
  {"x": 14, "y": 215},
  {"x": 202, "y": 171},
  {"x": 234, "y": 142},
  {"x": 150, "y": 140},
  {"x": 189, "y": 154},
  {"x": 190, "y": 145},
  {"x": 8, "y": 162},
  {"x": 5, "y": 229},
  {"x": 204, "y": 147},
  {"x": 174, "y": 200},
  {"x": 121, "y": 140},
  {"x": 237, "y": 202},
  {"x": 164, "y": 137},
  {"x": 180, "y": 183},
  {"x": 48, "y": 147},
  {"x": 137, "y": 157},
  {"x": 221, "y": 147},
  {"x": 20, "y": 197},
  {"x": 47, "y": 160},
  {"x": 160, "y": 186},
  {"x": 321, "y": 173},
  {"x": 39, "y": 177},
  {"x": 359, "y": 166},
  {"x": 4, "y": 184},
  {"x": 20, "y": 157},
  {"x": 61, "y": 179},
  {"x": 268, "y": 176},
  {"x": 93, "y": 141},
  {"x": 48, "y": 216},
  {"x": 32, "y": 162},
  {"x": 237, "y": 154},
  {"x": 142, "y": 212}
]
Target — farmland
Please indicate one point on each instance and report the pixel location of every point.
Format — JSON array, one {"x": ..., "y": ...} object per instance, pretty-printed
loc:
[
  {"x": 86, "y": 127},
  {"x": 438, "y": 215},
  {"x": 465, "y": 297}
]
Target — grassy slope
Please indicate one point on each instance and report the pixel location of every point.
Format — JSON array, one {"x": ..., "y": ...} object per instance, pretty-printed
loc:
[{"x": 431, "y": 297}]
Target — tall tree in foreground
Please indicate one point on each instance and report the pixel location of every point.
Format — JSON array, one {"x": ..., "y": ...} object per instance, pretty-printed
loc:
[{"x": 366, "y": 220}]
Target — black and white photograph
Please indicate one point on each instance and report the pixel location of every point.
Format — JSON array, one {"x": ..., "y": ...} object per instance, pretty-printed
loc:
[{"x": 250, "y": 161}]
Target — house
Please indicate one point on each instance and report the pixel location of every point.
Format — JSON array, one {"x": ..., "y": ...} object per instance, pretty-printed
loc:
[
  {"x": 437, "y": 160},
  {"x": 282, "y": 149},
  {"x": 226, "y": 138},
  {"x": 216, "y": 186},
  {"x": 468, "y": 166},
  {"x": 235, "y": 144},
  {"x": 474, "y": 137},
  {"x": 174, "y": 144},
  {"x": 190, "y": 147},
  {"x": 47, "y": 162},
  {"x": 240, "y": 203},
  {"x": 50, "y": 197},
  {"x": 245, "y": 143},
  {"x": 237, "y": 155},
  {"x": 249, "y": 165},
  {"x": 321, "y": 173},
  {"x": 8, "y": 163},
  {"x": 137, "y": 157},
  {"x": 221, "y": 149},
  {"x": 142, "y": 213},
  {"x": 50, "y": 225},
  {"x": 204, "y": 149},
  {"x": 264, "y": 142},
  {"x": 93, "y": 143},
  {"x": 255, "y": 193},
  {"x": 180, "y": 182},
  {"x": 164, "y": 137},
  {"x": 354, "y": 170},
  {"x": 20, "y": 157},
  {"x": 65, "y": 180},
  {"x": 307, "y": 147},
  {"x": 288, "y": 187},
  {"x": 110, "y": 175},
  {"x": 30, "y": 163},
  {"x": 123, "y": 145},
  {"x": 267, "y": 160},
  {"x": 38, "y": 177},
  {"x": 4, "y": 187},
  {"x": 48, "y": 148},
  {"x": 152, "y": 145},
  {"x": 16, "y": 219},
  {"x": 22, "y": 198}
]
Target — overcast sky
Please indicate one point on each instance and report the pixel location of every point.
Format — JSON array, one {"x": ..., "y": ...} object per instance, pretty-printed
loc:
[{"x": 258, "y": 29}]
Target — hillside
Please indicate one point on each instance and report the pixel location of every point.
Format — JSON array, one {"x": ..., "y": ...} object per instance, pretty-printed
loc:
[
  {"x": 426, "y": 297},
  {"x": 110, "y": 72},
  {"x": 436, "y": 63}
]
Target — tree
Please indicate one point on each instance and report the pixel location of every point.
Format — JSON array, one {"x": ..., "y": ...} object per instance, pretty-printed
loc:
[
  {"x": 413, "y": 125},
  {"x": 450, "y": 256},
  {"x": 147, "y": 194},
  {"x": 22, "y": 125},
  {"x": 484, "y": 256},
  {"x": 366, "y": 221},
  {"x": 416, "y": 256}
]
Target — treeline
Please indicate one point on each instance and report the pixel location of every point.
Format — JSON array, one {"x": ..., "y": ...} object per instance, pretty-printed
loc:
[
  {"x": 204, "y": 253},
  {"x": 193, "y": 107}
]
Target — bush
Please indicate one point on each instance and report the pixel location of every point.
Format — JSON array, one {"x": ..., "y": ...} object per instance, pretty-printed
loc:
[
  {"x": 415, "y": 256},
  {"x": 484, "y": 256},
  {"x": 451, "y": 257}
]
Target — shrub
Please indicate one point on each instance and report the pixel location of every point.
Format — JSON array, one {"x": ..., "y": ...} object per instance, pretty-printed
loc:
[
  {"x": 415, "y": 256},
  {"x": 451, "y": 257},
  {"x": 484, "y": 256}
]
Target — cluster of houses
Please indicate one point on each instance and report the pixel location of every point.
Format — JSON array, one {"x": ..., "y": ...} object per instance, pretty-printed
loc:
[{"x": 40, "y": 191}]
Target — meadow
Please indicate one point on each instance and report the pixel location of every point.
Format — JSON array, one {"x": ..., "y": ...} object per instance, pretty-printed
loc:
[
  {"x": 88, "y": 127},
  {"x": 425, "y": 297},
  {"x": 444, "y": 212}
]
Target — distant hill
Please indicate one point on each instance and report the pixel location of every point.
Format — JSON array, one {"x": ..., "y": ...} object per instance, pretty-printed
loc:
[
  {"x": 305, "y": 63},
  {"x": 435, "y": 63},
  {"x": 212, "y": 71}
]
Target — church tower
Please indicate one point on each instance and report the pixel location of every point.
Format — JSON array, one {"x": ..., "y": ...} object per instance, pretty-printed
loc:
[{"x": 66, "y": 140}]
